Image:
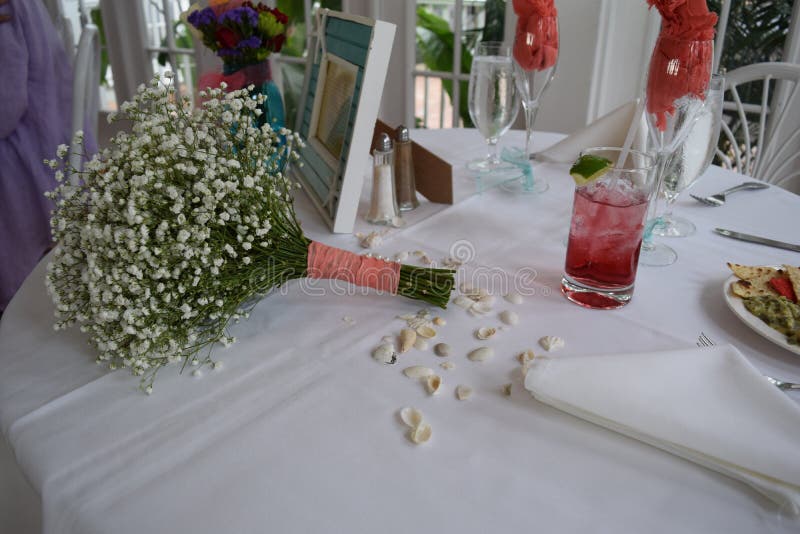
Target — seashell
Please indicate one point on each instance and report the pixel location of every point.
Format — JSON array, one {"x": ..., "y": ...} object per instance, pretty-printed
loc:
[
  {"x": 509, "y": 317},
  {"x": 447, "y": 366},
  {"x": 407, "y": 316},
  {"x": 411, "y": 416},
  {"x": 442, "y": 349},
  {"x": 475, "y": 293},
  {"x": 421, "y": 344},
  {"x": 417, "y": 371},
  {"x": 526, "y": 357},
  {"x": 463, "y": 392},
  {"x": 418, "y": 253},
  {"x": 385, "y": 353},
  {"x": 426, "y": 331},
  {"x": 486, "y": 299},
  {"x": 407, "y": 339},
  {"x": 514, "y": 298},
  {"x": 416, "y": 322},
  {"x": 480, "y": 308},
  {"x": 481, "y": 354},
  {"x": 348, "y": 320},
  {"x": 463, "y": 302},
  {"x": 438, "y": 321},
  {"x": 551, "y": 343},
  {"x": 420, "y": 434},
  {"x": 507, "y": 390},
  {"x": 425, "y": 259},
  {"x": 433, "y": 383},
  {"x": 485, "y": 332},
  {"x": 401, "y": 256}
]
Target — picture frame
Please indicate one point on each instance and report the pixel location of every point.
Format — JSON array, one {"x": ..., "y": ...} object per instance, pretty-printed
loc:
[{"x": 345, "y": 74}]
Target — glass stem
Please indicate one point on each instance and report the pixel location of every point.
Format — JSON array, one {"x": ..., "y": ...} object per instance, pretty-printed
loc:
[
  {"x": 530, "y": 117},
  {"x": 492, "y": 156},
  {"x": 652, "y": 218}
]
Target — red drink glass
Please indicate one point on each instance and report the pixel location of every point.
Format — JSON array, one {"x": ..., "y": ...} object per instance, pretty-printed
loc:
[{"x": 605, "y": 235}]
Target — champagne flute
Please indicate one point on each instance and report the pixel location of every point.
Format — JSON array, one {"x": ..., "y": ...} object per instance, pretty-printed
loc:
[
  {"x": 677, "y": 82},
  {"x": 493, "y": 100},
  {"x": 535, "y": 58},
  {"x": 692, "y": 159}
]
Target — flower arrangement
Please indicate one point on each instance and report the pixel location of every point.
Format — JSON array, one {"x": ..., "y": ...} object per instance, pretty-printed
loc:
[
  {"x": 173, "y": 229},
  {"x": 241, "y": 33}
]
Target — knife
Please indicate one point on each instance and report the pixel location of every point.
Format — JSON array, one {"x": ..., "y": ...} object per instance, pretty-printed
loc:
[{"x": 756, "y": 239}]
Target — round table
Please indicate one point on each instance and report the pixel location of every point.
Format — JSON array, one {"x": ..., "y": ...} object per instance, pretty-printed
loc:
[{"x": 299, "y": 431}]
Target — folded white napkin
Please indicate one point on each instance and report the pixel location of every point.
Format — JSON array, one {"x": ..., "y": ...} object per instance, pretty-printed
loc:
[
  {"x": 706, "y": 405},
  {"x": 608, "y": 130}
]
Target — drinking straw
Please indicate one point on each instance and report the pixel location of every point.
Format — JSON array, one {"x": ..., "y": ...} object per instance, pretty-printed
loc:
[{"x": 626, "y": 147}]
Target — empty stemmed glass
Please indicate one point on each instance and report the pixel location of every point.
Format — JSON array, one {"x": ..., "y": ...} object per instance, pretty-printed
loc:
[
  {"x": 691, "y": 159},
  {"x": 493, "y": 100},
  {"x": 677, "y": 82},
  {"x": 535, "y": 59}
]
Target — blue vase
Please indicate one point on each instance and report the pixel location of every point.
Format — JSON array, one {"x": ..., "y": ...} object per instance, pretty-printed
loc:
[{"x": 260, "y": 76}]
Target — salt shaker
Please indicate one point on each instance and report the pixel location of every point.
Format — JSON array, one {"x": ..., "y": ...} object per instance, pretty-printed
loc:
[
  {"x": 405, "y": 185},
  {"x": 383, "y": 206}
]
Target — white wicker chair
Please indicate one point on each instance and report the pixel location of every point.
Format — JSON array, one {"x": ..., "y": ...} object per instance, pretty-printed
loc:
[{"x": 774, "y": 156}]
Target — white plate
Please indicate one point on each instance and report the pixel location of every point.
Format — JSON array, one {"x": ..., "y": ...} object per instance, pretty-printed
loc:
[{"x": 737, "y": 306}]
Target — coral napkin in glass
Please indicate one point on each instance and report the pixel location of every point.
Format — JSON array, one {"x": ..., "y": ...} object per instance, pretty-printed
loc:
[{"x": 706, "y": 405}]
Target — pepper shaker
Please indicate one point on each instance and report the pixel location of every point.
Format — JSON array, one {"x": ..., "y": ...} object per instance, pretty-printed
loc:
[
  {"x": 383, "y": 206},
  {"x": 405, "y": 184}
]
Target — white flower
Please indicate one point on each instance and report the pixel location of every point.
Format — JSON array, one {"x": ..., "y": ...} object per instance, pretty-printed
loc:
[{"x": 62, "y": 151}]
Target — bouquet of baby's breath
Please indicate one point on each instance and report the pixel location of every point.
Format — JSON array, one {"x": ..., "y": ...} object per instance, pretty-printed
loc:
[{"x": 165, "y": 236}]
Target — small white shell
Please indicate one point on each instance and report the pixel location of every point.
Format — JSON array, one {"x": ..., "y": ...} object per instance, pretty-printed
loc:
[
  {"x": 401, "y": 256},
  {"x": 407, "y": 339},
  {"x": 509, "y": 317},
  {"x": 419, "y": 253},
  {"x": 385, "y": 353},
  {"x": 463, "y": 392},
  {"x": 417, "y": 371},
  {"x": 433, "y": 383},
  {"x": 526, "y": 357},
  {"x": 475, "y": 293},
  {"x": 507, "y": 390},
  {"x": 514, "y": 298},
  {"x": 421, "y": 344},
  {"x": 447, "y": 366},
  {"x": 426, "y": 331},
  {"x": 438, "y": 321},
  {"x": 420, "y": 434},
  {"x": 463, "y": 302},
  {"x": 348, "y": 320},
  {"x": 442, "y": 349},
  {"x": 485, "y": 332},
  {"x": 481, "y": 354},
  {"x": 480, "y": 308},
  {"x": 411, "y": 416},
  {"x": 551, "y": 343}
]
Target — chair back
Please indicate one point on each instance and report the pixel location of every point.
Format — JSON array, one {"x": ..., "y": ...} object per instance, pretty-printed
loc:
[
  {"x": 85, "y": 87},
  {"x": 764, "y": 138}
]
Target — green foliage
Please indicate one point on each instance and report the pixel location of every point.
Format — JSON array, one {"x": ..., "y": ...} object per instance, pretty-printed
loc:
[
  {"x": 435, "y": 45},
  {"x": 97, "y": 20}
]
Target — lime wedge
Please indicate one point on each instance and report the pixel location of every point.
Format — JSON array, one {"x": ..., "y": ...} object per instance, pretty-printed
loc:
[{"x": 588, "y": 168}]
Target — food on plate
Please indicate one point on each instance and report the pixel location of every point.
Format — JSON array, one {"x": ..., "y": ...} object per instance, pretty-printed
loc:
[
  {"x": 770, "y": 294},
  {"x": 779, "y": 313}
]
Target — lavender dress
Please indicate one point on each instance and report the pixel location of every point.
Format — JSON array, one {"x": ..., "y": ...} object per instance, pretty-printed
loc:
[{"x": 35, "y": 117}]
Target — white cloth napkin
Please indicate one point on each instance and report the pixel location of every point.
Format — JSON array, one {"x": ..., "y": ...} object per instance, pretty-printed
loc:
[
  {"x": 609, "y": 130},
  {"x": 706, "y": 405}
]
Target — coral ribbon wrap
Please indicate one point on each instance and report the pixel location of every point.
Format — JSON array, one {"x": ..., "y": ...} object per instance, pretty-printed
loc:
[
  {"x": 536, "y": 38},
  {"x": 332, "y": 262},
  {"x": 682, "y": 58}
]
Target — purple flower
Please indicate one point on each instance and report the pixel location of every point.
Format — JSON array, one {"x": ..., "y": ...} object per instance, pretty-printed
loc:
[
  {"x": 240, "y": 15},
  {"x": 250, "y": 42},
  {"x": 203, "y": 17},
  {"x": 228, "y": 52}
]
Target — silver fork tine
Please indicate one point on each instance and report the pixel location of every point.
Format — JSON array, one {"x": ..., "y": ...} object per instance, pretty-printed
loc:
[
  {"x": 704, "y": 340},
  {"x": 705, "y": 200}
]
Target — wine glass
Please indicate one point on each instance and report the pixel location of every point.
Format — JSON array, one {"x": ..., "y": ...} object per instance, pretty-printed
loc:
[
  {"x": 677, "y": 82},
  {"x": 692, "y": 159},
  {"x": 535, "y": 59},
  {"x": 493, "y": 100}
]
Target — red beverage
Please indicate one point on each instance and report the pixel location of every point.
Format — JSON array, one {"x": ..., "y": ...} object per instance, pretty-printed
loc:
[{"x": 604, "y": 241}]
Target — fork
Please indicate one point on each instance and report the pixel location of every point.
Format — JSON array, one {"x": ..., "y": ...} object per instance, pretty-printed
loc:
[
  {"x": 719, "y": 198},
  {"x": 705, "y": 341}
]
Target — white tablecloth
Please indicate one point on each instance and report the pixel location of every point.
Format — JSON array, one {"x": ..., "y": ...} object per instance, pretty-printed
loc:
[{"x": 299, "y": 431}]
